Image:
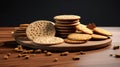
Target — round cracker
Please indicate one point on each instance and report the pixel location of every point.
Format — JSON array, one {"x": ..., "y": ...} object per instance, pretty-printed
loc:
[
  {"x": 67, "y": 17},
  {"x": 62, "y": 35},
  {"x": 84, "y": 29},
  {"x": 18, "y": 28},
  {"x": 65, "y": 28},
  {"x": 24, "y": 28},
  {"x": 48, "y": 40},
  {"x": 66, "y": 31},
  {"x": 19, "y": 34},
  {"x": 77, "y": 36},
  {"x": 97, "y": 36},
  {"x": 40, "y": 28},
  {"x": 67, "y": 25},
  {"x": 102, "y": 31},
  {"x": 20, "y": 31},
  {"x": 74, "y": 41},
  {"x": 66, "y": 21},
  {"x": 23, "y": 25}
]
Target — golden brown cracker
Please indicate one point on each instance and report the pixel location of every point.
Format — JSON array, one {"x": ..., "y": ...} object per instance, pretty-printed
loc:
[
  {"x": 77, "y": 36},
  {"x": 48, "y": 40},
  {"x": 23, "y": 25},
  {"x": 97, "y": 36},
  {"x": 84, "y": 29},
  {"x": 66, "y": 21},
  {"x": 66, "y": 25},
  {"x": 74, "y": 41},
  {"x": 66, "y": 31},
  {"x": 40, "y": 28},
  {"x": 102, "y": 31},
  {"x": 67, "y": 17},
  {"x": 65, "y": 28}
]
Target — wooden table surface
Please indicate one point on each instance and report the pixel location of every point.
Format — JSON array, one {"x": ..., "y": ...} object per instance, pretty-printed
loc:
[{"x": 94, "y": 58}]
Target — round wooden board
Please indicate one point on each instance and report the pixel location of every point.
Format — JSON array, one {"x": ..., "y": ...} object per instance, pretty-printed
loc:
[{"x": 90, "y": 45}]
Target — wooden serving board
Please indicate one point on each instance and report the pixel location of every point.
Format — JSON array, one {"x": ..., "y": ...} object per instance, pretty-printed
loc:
[{"x": 90, "y": 45}]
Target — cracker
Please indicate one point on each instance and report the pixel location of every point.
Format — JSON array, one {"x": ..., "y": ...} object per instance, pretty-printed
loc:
[
  {"x": 97, "y": 36},
  {"x": 84, "y": 29},
  {"x": 67, "y": 17},
  {"x": 20, "y": 29},
  {"x": 23, "y": 25},
  {"x": 63, "y": 35},
  {"x": 102, "y": 31},
  {"x": 66, "y": 21},
  {"x": 65, "y": 28},
  {"x": 66, "y": 31},
  {"x": 48, "y": 40},
  {"x": 74, "y": 41},
  {"x": 67, "y": 25},
  {"x": 40, "y": 28},
  {"x": 77, "y": 36},
  {"x": 77, "y": 31},
  {"x": 19, "y": 34},
  {"x": 24, "y": 28}
]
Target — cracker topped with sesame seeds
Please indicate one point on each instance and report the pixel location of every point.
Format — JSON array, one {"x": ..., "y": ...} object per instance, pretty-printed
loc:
[
  {"x": 48, "y": 40},
  {"x": 40, "y": 28}
]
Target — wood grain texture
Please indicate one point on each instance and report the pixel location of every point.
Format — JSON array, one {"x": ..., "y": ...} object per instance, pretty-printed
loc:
[
  {"x": 90, "y": 45},
  {"x": 94, "y": 58}
]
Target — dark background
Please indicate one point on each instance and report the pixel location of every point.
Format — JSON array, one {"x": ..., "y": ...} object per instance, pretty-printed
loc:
[{"x": 101, "y": 12}]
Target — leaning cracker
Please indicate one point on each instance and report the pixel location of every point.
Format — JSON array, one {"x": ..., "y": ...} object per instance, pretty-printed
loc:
[
  {"x": 74, "y": 41},
  {"x": 40, "y": 28},
  {"x": 48, "y": 40},
  {"x": 97, "y": 36},
  {"x": 77, "y": 36},
  {"x": 102, "y": 31},
  {"x": 84, "y": 29},
  {"x": 67, "y": 17}
]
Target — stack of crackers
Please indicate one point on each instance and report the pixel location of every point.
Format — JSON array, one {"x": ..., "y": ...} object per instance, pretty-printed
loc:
[
  {"x": 21, "y": 30},
  {"x": 65, "y": 24}
]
